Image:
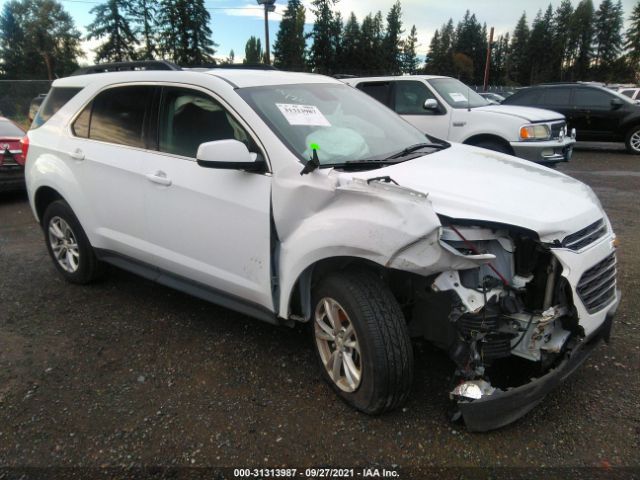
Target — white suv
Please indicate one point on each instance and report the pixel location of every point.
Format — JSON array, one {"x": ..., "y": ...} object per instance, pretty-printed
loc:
[
  {"x": 447, "y": 108},
  {"x": 295, "y": 198}
]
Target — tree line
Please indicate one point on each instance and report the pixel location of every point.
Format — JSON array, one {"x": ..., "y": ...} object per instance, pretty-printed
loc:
[
  {"x": 38, "y": 39},
  {"x": 564, "y": 44}
]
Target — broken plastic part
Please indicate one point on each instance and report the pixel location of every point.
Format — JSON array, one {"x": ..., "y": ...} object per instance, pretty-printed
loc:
[{"x": 473, "y": 390}]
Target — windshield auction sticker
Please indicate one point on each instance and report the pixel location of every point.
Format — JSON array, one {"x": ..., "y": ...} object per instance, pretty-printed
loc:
[
  {"x": 457, "y": 97},
  {"x": 303, "y": 115}
]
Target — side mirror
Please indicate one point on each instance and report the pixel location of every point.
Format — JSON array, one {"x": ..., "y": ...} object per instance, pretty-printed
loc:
[
  {"x": 616, "y": 103},
  {"x": 228, "y": 155},
  {"x": 430, "y": 104}
]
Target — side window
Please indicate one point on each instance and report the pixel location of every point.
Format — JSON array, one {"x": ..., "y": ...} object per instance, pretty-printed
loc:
[
  {"x": 410, "y": 97},
  {"x": 55, "y": 100},
  {"x": 525, "y": 97},
  {"x": 556, "y": 96},
  {"x": 381, "y": 91},
  {"x": 117, "y": 115},
  {"x": 591, "y": 97},
  {"x": 628, "y": 93},
  {"x": 189, "y": 118}
]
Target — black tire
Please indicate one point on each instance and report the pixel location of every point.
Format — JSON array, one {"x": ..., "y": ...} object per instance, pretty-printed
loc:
[
  {"x": 88, "y": 267},
  {"x": 494, "y": 145},
  {"x": 386, "y": 357},
  {"x": 629, "y": 143}
]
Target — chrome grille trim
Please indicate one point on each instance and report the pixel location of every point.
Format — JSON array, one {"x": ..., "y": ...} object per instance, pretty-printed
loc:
[
  {"x": 556, "y": 128},
  {"x": 597, "y": 286},
  {"x": 586, "y": 236}
]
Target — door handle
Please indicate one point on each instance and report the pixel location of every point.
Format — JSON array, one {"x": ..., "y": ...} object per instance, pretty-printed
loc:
[
  {"x": 159, "y": 177},
  {"x": 77, "y": 154}
]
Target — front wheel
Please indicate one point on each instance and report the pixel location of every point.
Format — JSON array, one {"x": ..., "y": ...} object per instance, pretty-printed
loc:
[
  {"x": 632, "y": 141},
  {"x": 362, "y": 341}
]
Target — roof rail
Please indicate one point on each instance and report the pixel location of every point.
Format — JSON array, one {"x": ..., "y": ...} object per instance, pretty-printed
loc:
[
  {"x": 245, "y": 66},
  {"x": 127, "y": 66}
]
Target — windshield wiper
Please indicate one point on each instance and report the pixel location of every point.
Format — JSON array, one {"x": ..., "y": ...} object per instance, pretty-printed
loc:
[{"x": 415, "y": 148}]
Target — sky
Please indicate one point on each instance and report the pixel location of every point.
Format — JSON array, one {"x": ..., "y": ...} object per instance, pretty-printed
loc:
[{"x": 234, "y": 21}]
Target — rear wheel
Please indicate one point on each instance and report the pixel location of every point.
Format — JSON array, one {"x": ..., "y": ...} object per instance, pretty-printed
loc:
[
  {"x": 632, "y": 141},
  {"x": 362, "y": 341},
  {"x": 68, "y": 245}
]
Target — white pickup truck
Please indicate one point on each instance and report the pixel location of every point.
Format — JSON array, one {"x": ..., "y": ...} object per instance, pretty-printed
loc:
[{"x": 447, "y": 108}]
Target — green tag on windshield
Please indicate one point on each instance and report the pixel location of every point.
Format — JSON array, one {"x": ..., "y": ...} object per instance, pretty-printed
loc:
[{"x": 314, "y": 146}]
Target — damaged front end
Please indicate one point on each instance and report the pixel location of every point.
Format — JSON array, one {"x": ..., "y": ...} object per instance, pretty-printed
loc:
[{"x": 510, "y": 325}]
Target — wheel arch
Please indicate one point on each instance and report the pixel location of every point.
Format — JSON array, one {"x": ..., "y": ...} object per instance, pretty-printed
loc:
[
  {"x": 299, "y": 297},
  {"x": 44, "y": 197},
  {"x": 488, "y": 137}
]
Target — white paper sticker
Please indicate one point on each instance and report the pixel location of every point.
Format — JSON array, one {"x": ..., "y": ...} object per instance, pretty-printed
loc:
[
  {"x": 458, "y": 97},
  {"x": 303, "y": 115}
]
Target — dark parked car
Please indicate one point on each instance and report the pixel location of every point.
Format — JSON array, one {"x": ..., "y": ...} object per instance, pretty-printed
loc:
[
  {"x": 597, "y": 113},
  {"x": 11, "y": 159}
]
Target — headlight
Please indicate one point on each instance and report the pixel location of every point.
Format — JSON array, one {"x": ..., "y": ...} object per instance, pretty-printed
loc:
[{"x": 535, "y": 132}]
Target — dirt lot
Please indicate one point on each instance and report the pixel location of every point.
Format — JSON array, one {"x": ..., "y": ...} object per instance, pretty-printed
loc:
[{"x": 129, "y": 373}]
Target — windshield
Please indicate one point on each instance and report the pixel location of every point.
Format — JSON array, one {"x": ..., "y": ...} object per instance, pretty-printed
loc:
[
  {"x": 340, "y": 122},
  {"x": 457, "y": 94}
]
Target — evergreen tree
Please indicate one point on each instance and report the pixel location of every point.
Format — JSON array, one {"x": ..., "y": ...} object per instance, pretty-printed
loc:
[
  {"x": 370, "y": 45},
  {"x": 540, "y": 53},
  {"x": 564, "y": 39},
  {"x": 582, "y": 28},
  {"x": 336, "y": 43},
  {"x": 45, "y": 37},
  {"x": 409, "y": 55},
  {"x": 185, "y": 34},
  {"x": 608, "y": 33},
  {"x": 290, "y": 46},
  {"x": 253, "y": 51},
  {"x": 432, "y": 62},
  {"x": 349, "y": 58},
  {"x": 322, "y": 52},
  {"x": 143, "y": 15},
  {"x": 519, "y": 59},
  {"x": 392, "y": 43},
  {"x": 12, "y": 42},
  {"x": 112, "y": 24},
  {"x": 499, "y": 60},
  {"x": 470, "y": 41},
  {"x": 632, "y": 44}
]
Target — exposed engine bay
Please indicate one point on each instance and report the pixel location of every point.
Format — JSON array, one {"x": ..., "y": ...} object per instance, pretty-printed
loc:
[{"x": 503, "y": 323}]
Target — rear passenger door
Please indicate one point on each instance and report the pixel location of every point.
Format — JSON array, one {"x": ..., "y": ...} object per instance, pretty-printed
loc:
[
  {"x": 597, "y": 118},
  {"x": 210, "y": 226},
  {"x": 106, "y": 157}
]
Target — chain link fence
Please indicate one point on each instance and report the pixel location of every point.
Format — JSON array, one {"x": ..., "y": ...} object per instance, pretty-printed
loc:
[{"x": 16, "y": 95}]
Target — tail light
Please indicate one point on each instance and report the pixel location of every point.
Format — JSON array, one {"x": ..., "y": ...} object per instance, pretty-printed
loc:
[{"x": 24, "y": 146}]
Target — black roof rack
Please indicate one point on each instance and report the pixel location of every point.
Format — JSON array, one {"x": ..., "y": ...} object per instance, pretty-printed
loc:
[
  {"x": 127, "y": 66},
  {"x": 245, "y": 66}
]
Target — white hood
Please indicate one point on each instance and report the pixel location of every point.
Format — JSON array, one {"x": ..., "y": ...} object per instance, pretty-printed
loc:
[
  {"x": 465, "y": 182},
  {"x": 528, "y": 114}
]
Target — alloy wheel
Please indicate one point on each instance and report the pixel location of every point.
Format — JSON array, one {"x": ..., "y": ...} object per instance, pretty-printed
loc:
[{"x": 64, "y": 245}]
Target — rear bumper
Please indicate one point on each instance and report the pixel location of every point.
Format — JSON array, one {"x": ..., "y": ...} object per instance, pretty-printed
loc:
[
  {"x": 504, "y": 407},
  {"x": 547, "y": 153},
  {"x": 11, "y": 179}
]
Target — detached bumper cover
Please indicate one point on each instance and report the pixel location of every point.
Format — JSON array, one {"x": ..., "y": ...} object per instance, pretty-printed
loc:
[
  {"x": 545, "y": 152},
  {"x": 504, "y": 407}
]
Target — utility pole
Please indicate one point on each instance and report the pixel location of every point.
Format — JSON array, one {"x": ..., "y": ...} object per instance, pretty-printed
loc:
[
  {"x": 487, "y": 65},
  {"x": 268, "y": 7}
]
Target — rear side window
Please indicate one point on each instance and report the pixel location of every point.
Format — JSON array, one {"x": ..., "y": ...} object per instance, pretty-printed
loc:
[
  {"x": 118, "y": 115},
  {"x": 556, "y": 96},
  {"x": 381, "y": 91},
  {"x": 524, "y": 97},
  {"x": 628, "y": 93},
  {"x": 56, "y": 99},
  {"x": 592, "y": 97}
]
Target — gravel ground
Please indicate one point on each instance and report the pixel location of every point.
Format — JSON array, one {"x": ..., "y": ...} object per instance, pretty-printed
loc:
[{"x": 129, "y": 373}]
